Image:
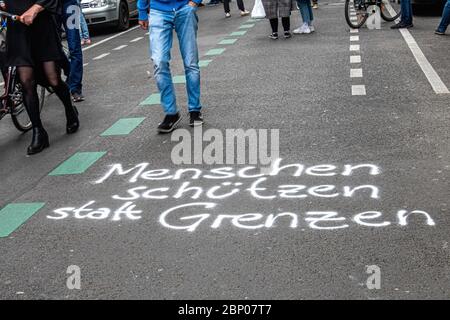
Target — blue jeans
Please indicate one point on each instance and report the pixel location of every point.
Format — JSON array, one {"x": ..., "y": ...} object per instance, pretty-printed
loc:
[
  {"x": 75, "y": 76},
  {"x": 84, "y": 31},
  {"x": 306, "y": 11},
  {"x": 185, "y": 23},
  {"x": 406, "y": 8},
  {"x": 445, "y": 18}
]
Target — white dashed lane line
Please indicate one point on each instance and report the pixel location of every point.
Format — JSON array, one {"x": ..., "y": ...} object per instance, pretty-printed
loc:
[
  {"x": 355, "y": 47},
  {"x": 358, "y": 90},
  {"x": 120, "y": 47},
  {"x": 101, "y": 56},
  {"x": 355, "y": 59},
  {"x": 137, "y": 39},
  {"x": 110, "y": 38},
  {"x": 356, "y": 73},
  {"x": 354, "y": 38}
]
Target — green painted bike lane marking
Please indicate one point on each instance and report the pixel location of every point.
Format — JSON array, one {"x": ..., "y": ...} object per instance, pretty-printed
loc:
[
  {"x": 178, "y": 79},
  {"x": 246, "y": 26},
  {"x": 228, "y": 41},
  {"x": 123, "y": 127},
  {"x": 15, "y": 214},
  {"x": 215, "y": 52},
  {"x": 154, "y": 98},
  {"x": 238, "y": 33},
  {"x": 78, "y": 163},
  {"x": 204, "y": 63}
]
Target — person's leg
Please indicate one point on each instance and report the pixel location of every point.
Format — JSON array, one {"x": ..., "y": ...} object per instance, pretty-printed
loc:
[
  {"x": 311, "y": 14},
  {"x": 84, "y": 30},
  {"x": 406, "y": 8},
  {"x": 52, "y": 73},
  {"x": 161, "y": 39},
  {"x": 240, "y": 5},
  {"x": 445, "y": 21},
  {"x": 26, "y": 76},
  {"x": 304, "y": 11},
  {"x": 274, "y": 25},
  {"x": 27, "y": 79},
  {"x": 226, "y": 6},
  {"x": 186, "y": 26},
  {"x": 286, "y": 22},
  {"x": 74, "y": 42}
]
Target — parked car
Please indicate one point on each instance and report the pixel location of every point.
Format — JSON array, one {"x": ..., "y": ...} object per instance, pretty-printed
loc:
[{"x": 116, "y": 12}]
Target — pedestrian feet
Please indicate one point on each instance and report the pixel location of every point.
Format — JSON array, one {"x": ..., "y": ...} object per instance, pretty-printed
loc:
[{"x": 171, "y": 122}]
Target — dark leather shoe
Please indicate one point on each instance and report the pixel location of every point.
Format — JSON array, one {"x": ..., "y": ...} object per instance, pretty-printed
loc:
[
  {"x": 39, "y": 141},
  {"x": 402, "y": 25},
  {"x": 73, "y": 123}
]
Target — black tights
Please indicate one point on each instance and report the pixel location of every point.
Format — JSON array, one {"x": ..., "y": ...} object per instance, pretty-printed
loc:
[
  {"x": 52, "y": 73},
  {"x": 285, "y": 21}
]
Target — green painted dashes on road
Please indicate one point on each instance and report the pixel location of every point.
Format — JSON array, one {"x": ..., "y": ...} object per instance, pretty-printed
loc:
[
  {"x": 78, "y": 163},
  {"x": 14, "y": 215},
  {"x": 123, "y": 127},
  {"x": 228, "y": 41},
  {"x": 215, "y": 52},
  {"x": 246, "y": 26},
  {"x": 238, "y": 33},
  {"x": 204, "y": 63},
  {"x": 179, "y": 79},
  {"x": 152, "y": 99}
]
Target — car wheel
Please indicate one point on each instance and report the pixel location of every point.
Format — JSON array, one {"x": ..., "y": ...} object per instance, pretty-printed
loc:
[{"x": 124, "y": 17}]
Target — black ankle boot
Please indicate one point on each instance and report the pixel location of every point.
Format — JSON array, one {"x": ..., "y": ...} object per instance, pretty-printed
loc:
[
  {"x": 39, "y": 141},
  {"x": 73, "y": 123}
]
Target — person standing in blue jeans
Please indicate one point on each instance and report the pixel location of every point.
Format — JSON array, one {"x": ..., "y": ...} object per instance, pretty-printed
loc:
[
  {"x": 71, "y": 24},
  {"x": 166, "y": 16},
  {"x": 406, "y": 20},
  {"x": 445, "y": 21},
  {"x": 307, "y": 17},
  {"x": 84, "y": 30}
]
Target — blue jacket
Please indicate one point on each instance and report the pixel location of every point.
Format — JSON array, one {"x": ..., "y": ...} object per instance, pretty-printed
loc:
[{"x": 161, "y": 5}]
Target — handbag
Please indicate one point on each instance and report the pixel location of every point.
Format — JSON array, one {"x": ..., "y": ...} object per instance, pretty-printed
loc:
[{"x": 258, "y": 10}]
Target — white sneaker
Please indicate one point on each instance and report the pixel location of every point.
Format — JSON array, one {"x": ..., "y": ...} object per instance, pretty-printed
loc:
[
  {"x": 227, "y": 15},
  {"x": 312, "y": 28},
  {"x": 304, "y": 29},
  {"x": 245, "y": 13}
]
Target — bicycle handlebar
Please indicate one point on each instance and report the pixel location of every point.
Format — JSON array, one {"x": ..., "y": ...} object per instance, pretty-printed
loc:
[{"x": 9, "y": 15}]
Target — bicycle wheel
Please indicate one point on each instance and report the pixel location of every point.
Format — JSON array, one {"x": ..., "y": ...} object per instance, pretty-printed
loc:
[
  {"x": 19, "y": 114},
  {"x": 390, "y": 10},
  {"x": 356, "y": 13}
]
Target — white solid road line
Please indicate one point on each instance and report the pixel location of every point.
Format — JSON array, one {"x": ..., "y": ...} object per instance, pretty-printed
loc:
[
  {"x": 433, "y": 78},
  {"x": 358, "y": 90},
  {"x": 120, "y": 47},
  {"x": 355, "y": 59},
  {"x": 137, "y": 39},
  {"x": 110, "y": 38},
  {"x": 101, "y": 56},
  {"x": 356, "y": 73},
  {"x": 431, "y": 74}
]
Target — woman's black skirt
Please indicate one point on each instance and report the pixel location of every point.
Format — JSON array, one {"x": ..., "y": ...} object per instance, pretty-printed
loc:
[{"x": 30, "y": 46}]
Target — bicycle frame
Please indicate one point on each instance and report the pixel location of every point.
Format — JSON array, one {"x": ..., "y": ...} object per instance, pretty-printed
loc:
[{"x": 9, "y": 99}]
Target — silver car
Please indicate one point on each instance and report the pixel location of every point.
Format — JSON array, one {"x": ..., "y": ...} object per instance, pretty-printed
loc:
[{"x": 117, "y": 12}]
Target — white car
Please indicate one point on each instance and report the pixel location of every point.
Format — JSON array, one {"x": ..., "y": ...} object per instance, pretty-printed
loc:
[{"x": 116, "y": 12}]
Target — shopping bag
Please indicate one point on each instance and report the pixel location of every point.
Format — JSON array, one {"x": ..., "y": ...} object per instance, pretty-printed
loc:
[{"x": 258, "y": 10}]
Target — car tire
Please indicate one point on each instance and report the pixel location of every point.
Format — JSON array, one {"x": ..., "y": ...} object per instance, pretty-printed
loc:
[{"x": 124, "y": 17}]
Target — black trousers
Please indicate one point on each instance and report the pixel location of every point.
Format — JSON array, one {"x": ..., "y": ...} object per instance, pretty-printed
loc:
[{"x": 226, "y": 5}]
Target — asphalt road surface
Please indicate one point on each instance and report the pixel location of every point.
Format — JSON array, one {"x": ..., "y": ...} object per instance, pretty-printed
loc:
[{"x": 110, "y": 200}]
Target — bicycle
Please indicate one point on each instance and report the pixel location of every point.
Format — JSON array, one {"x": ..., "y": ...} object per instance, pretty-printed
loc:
[
  {"x": 11, "y": 102},
  {"x": 356, "y": 11}
]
